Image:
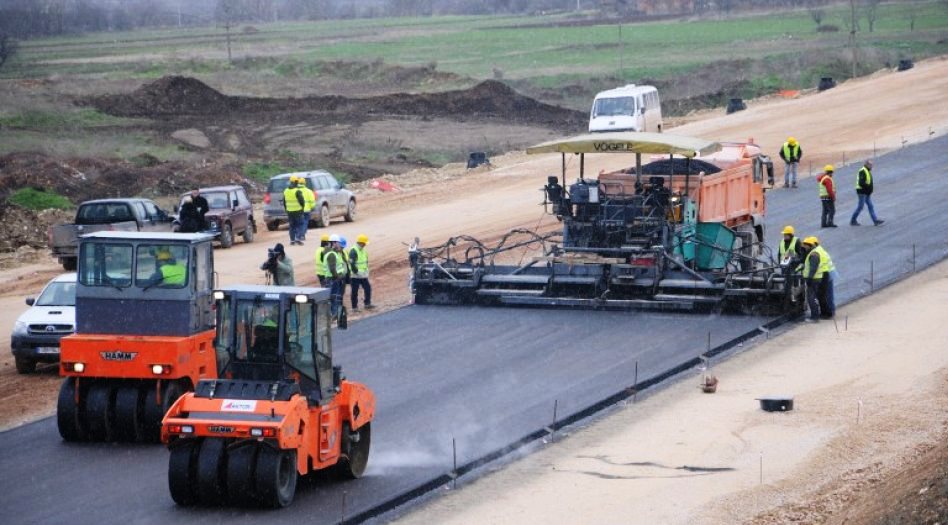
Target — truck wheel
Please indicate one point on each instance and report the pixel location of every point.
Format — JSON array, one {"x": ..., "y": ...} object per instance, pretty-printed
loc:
[
  {"x": 181, "y": 471},
  {"x": 355, "y": 451},
  {"x": 351, "y": 211},
  {"x": 153, "y": 412},
  {"x": 275, "y": 476},
  {"x": 227, "y": 236},
  {"x": 67, "y": 412},
  {"x": 211, "y": 465},
  {"x": 322, "y": 220},
  {"x": 25, "y": 365},
  {"x": 100, "y": 411},
  {"x": 240, "y": 476},
  {"x": 128, "y": 413},
  {"x": 272, "y": 226},
  {"x": 70, "y": 263},
  {"x": 249, "y": 231}
]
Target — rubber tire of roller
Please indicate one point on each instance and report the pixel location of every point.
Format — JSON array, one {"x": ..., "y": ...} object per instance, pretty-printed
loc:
[
  {"x": 275, "y": 477},
  {"x": 67, "y": 413},
  {"x": 98, "y": 412},
  {"x": 240, "y": 474},
  {"x": 210, "y": 475},
  {"x": 182, "y": 466},
  {"x": 153, "y": 413},
  {"x": 128, "y": 413}
]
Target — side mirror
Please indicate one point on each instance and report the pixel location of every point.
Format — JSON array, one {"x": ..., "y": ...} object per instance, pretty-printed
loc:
[
  {"x": 233, "y": 204},
  {"x": 30, "y": 301}
]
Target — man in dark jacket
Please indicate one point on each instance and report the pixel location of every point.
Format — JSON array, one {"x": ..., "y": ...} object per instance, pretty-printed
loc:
[
  {"x": 864, "y": 192},
  {"x": 200, "y": 204},
  {"x": 190, "y": 220}
]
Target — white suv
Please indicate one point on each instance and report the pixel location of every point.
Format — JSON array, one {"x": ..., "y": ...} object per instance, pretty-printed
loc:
[{"x": 37, "y": 332}]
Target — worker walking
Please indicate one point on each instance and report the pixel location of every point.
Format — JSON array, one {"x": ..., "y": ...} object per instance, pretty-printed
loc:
[
  {"x": 309, "y": 203},
  {"x": 338, "y": 272},
  {"x": 791, "y": 153},
  {"x": 827, "y": 187},
  {"x": 293, "y": 203},
  {"x": 864, "y": 193},
  {"x": 359, "y": 262},
  {"x": 322, "y": 271},
  {"x": 818, "y": 271}
]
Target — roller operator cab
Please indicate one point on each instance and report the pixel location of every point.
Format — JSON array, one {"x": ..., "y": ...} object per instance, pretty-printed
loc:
[
  {"x": 280, "y": 410},
  {"x": 144, "y": 333}
]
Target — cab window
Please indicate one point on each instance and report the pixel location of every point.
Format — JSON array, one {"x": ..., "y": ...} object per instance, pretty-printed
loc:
[
  {"x": 164, "y": 266},
  {"x": 105, "y": 264}
]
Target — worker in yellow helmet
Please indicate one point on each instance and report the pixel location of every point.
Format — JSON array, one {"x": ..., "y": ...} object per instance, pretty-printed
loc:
[
  {"x": 359, "y": 262},
  {"x": 827, "y": 187},
  {"x": 818, "y": 270},
  {"x": 790, "y": 250},
  {"x": 309, "y": 198},
  {"x": 322, "y": 271},
  {"x": 169, "y": 272},
  {"x": 294, "y": 202},
  {"x": 791, "y": 153}
]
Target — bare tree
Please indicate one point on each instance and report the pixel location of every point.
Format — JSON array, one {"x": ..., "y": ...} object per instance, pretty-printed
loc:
[
  {"x": 853, "y": 26},
  {"x": 228, "y": 12},
  {"x": 870, "y": 8},
  {"x": 817, "y": 15},
  {"x": 911, "y": 14},
  {"x": 8, "y": 47}
]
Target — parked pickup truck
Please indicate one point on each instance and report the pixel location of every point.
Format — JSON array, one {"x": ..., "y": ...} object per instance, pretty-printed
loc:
[{"x": 105, "y": 214}]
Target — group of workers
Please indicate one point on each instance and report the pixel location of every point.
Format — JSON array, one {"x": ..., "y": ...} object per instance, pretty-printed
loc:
[
  {"x": 335, "y": 268},
  {"x": 299, "y": 202},
  {"x": 815, "y": 264},
  {"x": 791, "y": 153}
]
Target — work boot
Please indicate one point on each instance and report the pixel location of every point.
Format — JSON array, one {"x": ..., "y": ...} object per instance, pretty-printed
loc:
[
  {"x": 833, "y": 226},
  {"x": 879, "y": 222},
  {"x": 810, "y": 320},
  {"x": 854, "y": 223},
  {"x": 355, "y": 308},
  {"x": 370, "y": 307}
]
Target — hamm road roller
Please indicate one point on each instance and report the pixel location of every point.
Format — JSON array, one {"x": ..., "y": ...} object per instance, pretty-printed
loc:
[
  {"x": 280, "y": 409},
  {"x": 685, "y": 231},
  {"x": 144, "y": 333}
]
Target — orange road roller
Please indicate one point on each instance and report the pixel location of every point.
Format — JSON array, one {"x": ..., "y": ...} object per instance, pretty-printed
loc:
[{"x": 280, "y": 409}]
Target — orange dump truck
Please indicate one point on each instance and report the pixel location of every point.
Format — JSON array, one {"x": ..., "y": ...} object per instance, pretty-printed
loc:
[{"x": 144, "y": 333}]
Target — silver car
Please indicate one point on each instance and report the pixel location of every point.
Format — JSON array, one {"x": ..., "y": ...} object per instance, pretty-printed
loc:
[{"x": 333, "y": 200}]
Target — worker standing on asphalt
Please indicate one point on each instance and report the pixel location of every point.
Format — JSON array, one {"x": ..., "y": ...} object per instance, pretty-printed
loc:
[
  {"x": 359, "y": 262},
  {"x": 827, "y": 187},
  {"x": 818, "y": 271},
  {"x": 293, "y": 203},
  {"x": 791, "y": 153},
  {"x": 790, "y": 251},
  {"x": 338, "y": 270},
  {"x": 309, "y": 198},
  {"x": 864, "y": 192},
  {"x": 322, "y": 271}
]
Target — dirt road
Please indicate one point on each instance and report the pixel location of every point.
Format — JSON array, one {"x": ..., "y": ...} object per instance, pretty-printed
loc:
[{"x": 850, "y": 118}]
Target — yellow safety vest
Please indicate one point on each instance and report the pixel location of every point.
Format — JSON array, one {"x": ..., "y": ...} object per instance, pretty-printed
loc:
[
  {"x": 289, "y": 198},
  {"x": 173, "y": 274},
  {"x": 309, "y": 197},
  {"x": 789, "y": 153},
  {"x": 824, "y": 193},
  {"x": 825, "y": 266},
  {"x": 362, "y": 261},
  {"x": 342, "y": 267},
  {"x": 782, "y": 251},
  {"x": 868, "y": 177},
  {"x": 321, "y": 269}
]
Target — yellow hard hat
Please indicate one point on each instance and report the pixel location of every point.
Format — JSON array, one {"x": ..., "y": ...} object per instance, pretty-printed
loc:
[
  {"x": 293, "y": 179},
  {"x": 363, "y": 238},
  {"x": 812, "y": 241},
  {"x": 163, "y": 255},
  {"x": 792, "y": 141},
  {"x": 828, "y": 168},
  {"x": 788, "y": 230},
  {"x": 324, "y": 237}
]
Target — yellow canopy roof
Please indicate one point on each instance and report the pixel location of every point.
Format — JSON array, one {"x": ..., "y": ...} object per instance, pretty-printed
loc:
[{"x": 629, "y": 142}]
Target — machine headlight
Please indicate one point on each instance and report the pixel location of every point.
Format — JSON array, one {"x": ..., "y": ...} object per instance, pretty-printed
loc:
[
  {"x": 218, "y": 295},
  {"x": 159, "y": 370},
  {"x": 301, "y": 299},
  {"x": 78, "y": 367},
  {"x": 20, "y": 328}
]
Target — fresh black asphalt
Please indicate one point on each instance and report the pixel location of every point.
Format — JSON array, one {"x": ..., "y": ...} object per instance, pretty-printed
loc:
[{"x": 485, "y": 377}]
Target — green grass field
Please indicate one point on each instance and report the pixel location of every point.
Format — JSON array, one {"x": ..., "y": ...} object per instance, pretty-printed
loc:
[{"x": 482, "y": 47}]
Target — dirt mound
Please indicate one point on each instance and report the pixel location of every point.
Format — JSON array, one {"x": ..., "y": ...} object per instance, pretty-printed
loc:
[
  {"x": 183, "y": 96},
  {"x": 172, "y": 95}
]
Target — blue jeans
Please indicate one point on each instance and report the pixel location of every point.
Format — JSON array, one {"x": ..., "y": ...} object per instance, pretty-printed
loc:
[
  {"x": 304, "y": 225},
  {"x": 364, "y": 283},
  {"x": 295, "y": 219},
  {"x": 790, "y": 174},
  {"x": 864, "y": 200},
  {"x": 337, "y": 288}
]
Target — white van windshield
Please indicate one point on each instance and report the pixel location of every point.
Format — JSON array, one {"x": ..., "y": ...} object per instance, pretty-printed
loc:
[{"x": 610, "y": 107}]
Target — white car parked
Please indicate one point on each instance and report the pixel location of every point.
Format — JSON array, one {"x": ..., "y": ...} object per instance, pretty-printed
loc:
[{"x": 37, "y": 332}]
